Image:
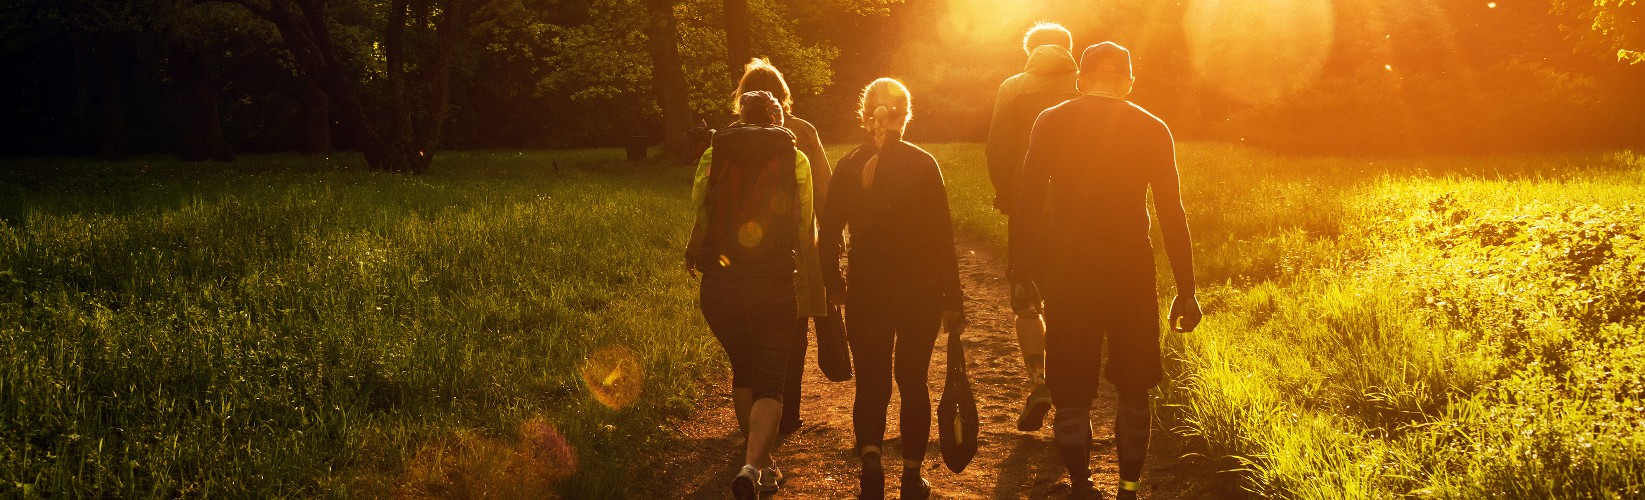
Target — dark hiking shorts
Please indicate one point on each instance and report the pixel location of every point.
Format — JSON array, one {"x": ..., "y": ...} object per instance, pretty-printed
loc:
[
  {"x": 1076, "y": 326},
  {"x": 753, "y": 317}
]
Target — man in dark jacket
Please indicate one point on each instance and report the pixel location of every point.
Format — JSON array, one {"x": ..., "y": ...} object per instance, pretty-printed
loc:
[
  {"x": 1090, "y": 165},
  {"x": 1047, "y": 80}
]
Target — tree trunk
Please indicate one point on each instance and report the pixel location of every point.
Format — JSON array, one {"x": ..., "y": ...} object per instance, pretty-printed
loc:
[
  {"x": 739, "y": 42},
  {"x": 316, "y": 119},
  {"x": 667, "y": 78},
  {"x": 200, "y": 131},
  {"x": 111, "y": 122}
]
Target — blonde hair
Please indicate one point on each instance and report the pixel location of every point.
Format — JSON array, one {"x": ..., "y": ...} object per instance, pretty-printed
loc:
[
  {"x": 758, "y": 75},
  {"x": 885, "y": 107},
  {"x": 1047, "y": 33}
]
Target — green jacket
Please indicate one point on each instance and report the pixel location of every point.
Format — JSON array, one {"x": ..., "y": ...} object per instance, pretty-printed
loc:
[
  {"x": 808, "y": 282},
  {"x": 1047, "y": 80}
]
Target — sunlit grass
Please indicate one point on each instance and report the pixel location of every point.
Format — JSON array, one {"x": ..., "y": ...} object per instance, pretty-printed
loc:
[
  {"x": 1450, "y": 327},
  {"x": 287, "y": 326}
]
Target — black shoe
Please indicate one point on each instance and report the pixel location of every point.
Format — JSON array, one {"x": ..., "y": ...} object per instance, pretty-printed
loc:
[
  {"x": 743, "y": 487},
  {"x": 915, "y": 487},
  {"x": 872, "y": 480},
  {"x": 1126, "y": 495},
  {"x": 1083, "y": 489},
  {"x": 789, "y": 426},
  {"x": 1034, "y": 410}
]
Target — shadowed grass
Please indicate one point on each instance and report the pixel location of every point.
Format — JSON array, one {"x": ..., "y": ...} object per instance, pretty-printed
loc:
[{"x": 289, "y": 326}]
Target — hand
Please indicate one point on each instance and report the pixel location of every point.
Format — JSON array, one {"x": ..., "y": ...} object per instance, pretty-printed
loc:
[
  {"x": 1025, "y": 299},
  {"x": 1185, "y": 314},
  {"x": 690, "y": 268},
  {"x": 954, "y": 321}
]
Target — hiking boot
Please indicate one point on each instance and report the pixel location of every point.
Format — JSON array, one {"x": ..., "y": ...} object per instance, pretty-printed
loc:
[
  {"x": 744, "y": 486},
  {"x": 1125, "y": 494},
  {"x": 1083, "y": 490},
  {"x": 1033, "y": 412},
  {"x": 872, "y": 479},
  {"x": 770, "y": 480},
  {"x": 915, "y": 487}
]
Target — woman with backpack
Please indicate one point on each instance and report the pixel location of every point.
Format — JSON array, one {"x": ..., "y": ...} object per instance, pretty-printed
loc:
[
  {"x": 754, "y": 241},
  {"x": 760, "y": 75},
  {"x": 904, "y": 280}
]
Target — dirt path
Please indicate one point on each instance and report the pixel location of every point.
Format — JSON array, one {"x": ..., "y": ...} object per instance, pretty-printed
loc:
[{"x": 818, "y": 462}]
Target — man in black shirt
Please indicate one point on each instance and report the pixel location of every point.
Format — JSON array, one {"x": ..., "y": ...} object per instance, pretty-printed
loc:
[{"x": 1083, "y": 237}]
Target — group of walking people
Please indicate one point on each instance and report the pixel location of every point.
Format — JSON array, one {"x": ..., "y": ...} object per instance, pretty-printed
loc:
[{"x": 1072, "y": 163}]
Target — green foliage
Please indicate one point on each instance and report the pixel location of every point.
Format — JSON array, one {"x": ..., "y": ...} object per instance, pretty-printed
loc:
[
  {"x": 1613, "y": 24},
  {"x": 299, "y": 327}
]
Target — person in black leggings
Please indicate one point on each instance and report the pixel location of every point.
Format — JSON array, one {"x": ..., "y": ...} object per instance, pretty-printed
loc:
[{"x": 904, "y": 280}]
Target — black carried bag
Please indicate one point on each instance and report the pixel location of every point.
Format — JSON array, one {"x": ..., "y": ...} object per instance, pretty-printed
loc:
[
  {"x": 957, "y": 411},
  {"x": 833, "y": 355}
]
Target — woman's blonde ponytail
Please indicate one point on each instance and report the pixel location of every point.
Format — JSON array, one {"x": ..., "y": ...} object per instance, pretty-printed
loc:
[{"x": 889, "y": 101}]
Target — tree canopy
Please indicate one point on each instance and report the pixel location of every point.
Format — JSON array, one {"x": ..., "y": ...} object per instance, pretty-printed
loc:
[{"x": 401, "y": 79}]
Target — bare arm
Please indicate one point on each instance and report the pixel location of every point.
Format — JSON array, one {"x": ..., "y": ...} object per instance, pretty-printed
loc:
[
  {"x": 1173, "y": 219},
  {"x": 1179, "y": 246}
]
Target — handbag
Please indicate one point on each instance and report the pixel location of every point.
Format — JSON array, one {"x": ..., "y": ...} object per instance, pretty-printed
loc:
[
  {"x": 833, "y": 355},
  {"x": 957, "y": 411}
]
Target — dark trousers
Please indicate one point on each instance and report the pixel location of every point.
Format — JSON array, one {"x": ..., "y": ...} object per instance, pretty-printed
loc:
[
  {"x": 891, "y": 336},
  {"x": 752, "y": 315}
]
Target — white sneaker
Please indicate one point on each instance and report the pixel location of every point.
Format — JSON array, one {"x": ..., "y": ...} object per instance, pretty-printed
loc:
[
  {"x": 743, "y": 487},
  {"x": 770, "y": 480}
]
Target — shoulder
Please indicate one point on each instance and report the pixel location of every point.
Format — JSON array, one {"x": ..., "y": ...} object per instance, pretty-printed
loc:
[
  {"x": 909, "y": 153},
  {"x": 801, "y": 128},
  {"x": 1010, "y": 85},
  {"x": 1148, "y": 119}
]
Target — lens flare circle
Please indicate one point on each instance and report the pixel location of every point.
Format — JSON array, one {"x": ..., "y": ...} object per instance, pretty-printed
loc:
[
  {"x": 614, "y": 376},
  {"x": 1259, "y": 51}
]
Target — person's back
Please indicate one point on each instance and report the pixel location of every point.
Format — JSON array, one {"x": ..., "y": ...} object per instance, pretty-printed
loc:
[
  {"x": 1083, "y": 209},
  {"x": 1046, "y": 80},
  {"x": 1102, "y": 155}
]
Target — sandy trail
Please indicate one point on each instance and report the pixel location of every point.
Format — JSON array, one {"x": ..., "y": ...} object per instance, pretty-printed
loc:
[{"x": 818, "y": 462}]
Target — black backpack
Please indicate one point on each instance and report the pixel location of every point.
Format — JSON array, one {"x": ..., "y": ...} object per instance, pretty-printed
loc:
[{"x": 752, "y": 200}]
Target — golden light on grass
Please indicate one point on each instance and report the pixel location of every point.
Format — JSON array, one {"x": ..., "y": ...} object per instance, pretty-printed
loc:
[
  {"x": 1259, "y": 50},
  {"x": 467, "y": 464},
  {"x": 614, "y": 376}
]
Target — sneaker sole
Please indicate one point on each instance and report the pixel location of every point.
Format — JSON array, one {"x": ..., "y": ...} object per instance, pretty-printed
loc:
[
  {"x": 1033, "y": 418},
  {"x": 744, "y": 489}
]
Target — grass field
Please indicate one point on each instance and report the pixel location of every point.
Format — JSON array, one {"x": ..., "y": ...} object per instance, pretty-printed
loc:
[
  {"x": 1451, "y": 328},
  {"x": 287, "y": 326}
]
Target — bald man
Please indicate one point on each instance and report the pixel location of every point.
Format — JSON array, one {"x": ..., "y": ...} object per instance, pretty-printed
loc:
[{"x": 1083, "y": 236}]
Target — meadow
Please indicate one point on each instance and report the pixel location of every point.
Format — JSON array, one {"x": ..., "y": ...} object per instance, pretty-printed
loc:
[
  {"x": 296, "y": 326},
  {"x": 300, "y": 327},
  {"x": 1437, "y": 327}
]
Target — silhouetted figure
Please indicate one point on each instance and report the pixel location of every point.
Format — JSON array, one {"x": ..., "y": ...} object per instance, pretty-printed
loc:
[
  {"x": 1047, "y": 80},
  {"x": 1082, "y": 235},
  {"x": 754, "y": 240},
  {"x": 760, "y": 75},
  {"x": 904, "y": 280}
]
